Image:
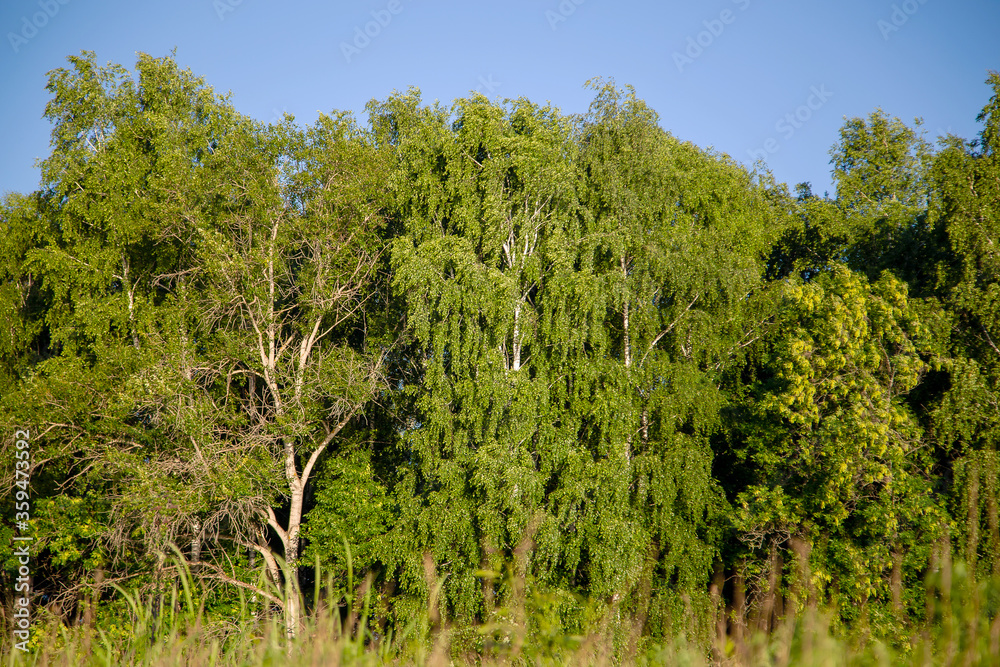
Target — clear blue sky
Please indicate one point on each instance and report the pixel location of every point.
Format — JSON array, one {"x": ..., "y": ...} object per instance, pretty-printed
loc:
[{"x": 721, "y": 73}]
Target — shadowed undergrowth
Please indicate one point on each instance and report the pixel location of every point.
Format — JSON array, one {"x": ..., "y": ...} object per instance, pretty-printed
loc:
[{"x": 173, "y": 628}]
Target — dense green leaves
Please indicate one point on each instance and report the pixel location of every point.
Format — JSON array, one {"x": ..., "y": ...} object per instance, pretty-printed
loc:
[
  {"x": 837, "y": 451},
  {"x": 490, "y": 337},
  {"x": 572, "y": 287}
]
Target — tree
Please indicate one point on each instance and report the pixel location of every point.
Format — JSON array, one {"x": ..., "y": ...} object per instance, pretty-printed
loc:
[
  {"x": 209, "y": 278},
  {"x": 837, "y": 453},
  {"x": 23, "y": 295},
  {"x": 277, "y": 358},
  {"x": 677, "y": 238},
  {"x": 572, "y": 288},
  {"x": 965, "y": 179},
  {"x": 485, "y": 201},
  {"x": 102, "y": 235},
  {"x": 880, "y": 168}
]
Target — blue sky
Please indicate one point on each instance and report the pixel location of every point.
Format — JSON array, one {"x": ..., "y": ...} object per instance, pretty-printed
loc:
[{"x": 750, "y": 78}]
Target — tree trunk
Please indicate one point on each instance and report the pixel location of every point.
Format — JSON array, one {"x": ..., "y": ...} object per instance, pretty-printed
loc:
[
  {"x": 719, "y": 608},
  {"x": 196, "y": 543},
  {"x": 763, "y": 623},
  {"x": 626, "y": 342},
  {"x": 90, "y": 611},
  {"x": 627, "y": 350},
  {"x": 972, "y": 521},
  {"x": 779, "y": 596},
  {"x": 738, "y": 627},
  {"x": 291, "y": 543},
  {"x": 896, "y": 582},
  {"x": 802, "y": 590},
  {"x": 515, "y": 364},
  {"x": 252, "y": 562}
]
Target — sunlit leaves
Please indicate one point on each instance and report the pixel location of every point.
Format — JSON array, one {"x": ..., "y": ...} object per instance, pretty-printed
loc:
[
  {"x": 572, "y": 286},
  {"x": 843, "y": 457}
]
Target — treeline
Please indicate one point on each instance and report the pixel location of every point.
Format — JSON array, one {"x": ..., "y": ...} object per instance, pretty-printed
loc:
[{"x": 470, "y": 346}]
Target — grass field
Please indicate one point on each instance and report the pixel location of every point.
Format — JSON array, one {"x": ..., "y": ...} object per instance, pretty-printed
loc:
[{"x": 962, "y": 628}]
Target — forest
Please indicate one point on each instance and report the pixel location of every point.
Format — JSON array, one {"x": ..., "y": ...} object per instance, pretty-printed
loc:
[{"x": 495, "y": 371}]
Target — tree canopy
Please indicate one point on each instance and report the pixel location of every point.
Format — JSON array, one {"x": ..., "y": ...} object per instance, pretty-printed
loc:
[{"x": 461, "y": 340}]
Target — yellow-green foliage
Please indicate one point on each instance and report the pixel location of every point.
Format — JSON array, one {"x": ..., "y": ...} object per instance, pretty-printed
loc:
[{"x": 840, "y": 458}]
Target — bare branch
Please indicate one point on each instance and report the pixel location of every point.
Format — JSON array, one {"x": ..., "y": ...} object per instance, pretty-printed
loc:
[{"x": 668, "y": 329}]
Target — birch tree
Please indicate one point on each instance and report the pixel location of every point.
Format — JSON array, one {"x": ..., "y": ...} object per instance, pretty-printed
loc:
[
  {"x": 678, "y": 236},
  {"x": 276, "y": 305},
  {"x": 571, "y": 285},
  {"x": 209, "y": 277}
]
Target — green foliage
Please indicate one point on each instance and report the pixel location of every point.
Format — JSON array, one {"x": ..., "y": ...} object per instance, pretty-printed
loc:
[
  {"x": 879, "y": 161},
  {"x": 837, "y": 450},
  {"x": 572, "y": 286},
  {"x": 880, "y": 167},
  {"x": 469, "y": 336},
  {"x": 352, "y": 506}
]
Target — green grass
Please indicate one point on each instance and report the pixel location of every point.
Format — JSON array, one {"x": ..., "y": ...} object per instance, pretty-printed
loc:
[{"x": 174, "y": 629}]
